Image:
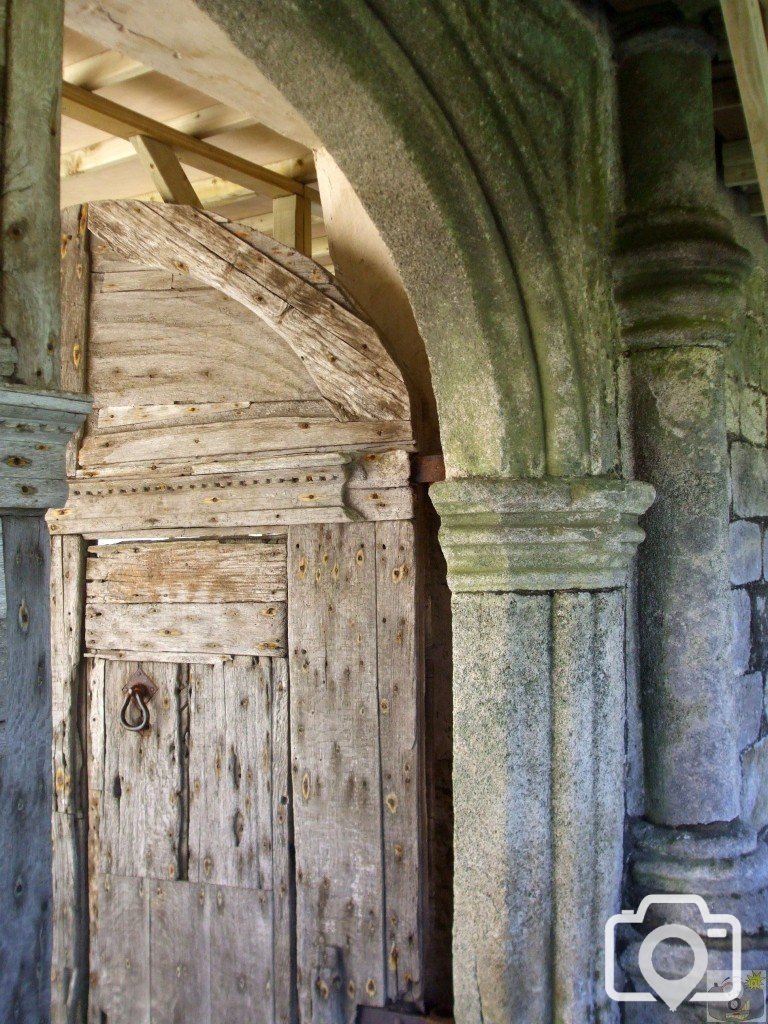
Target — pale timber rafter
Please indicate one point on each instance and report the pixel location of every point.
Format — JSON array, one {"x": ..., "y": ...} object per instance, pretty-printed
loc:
[
  {"x": 340, "y": 350},
  {"x": 103, "y": 114}
]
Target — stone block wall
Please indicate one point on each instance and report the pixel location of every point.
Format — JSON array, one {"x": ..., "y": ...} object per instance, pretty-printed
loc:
[{"x": 747, "y": 421}]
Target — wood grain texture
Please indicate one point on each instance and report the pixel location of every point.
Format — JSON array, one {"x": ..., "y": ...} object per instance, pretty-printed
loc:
[
  {"x": 342, "y": 353},
  {"x": 187, "y": 572},
  {"x": 141, "y": 813},
  {"x": 139, "y": 417},
  {"x": 400, "y": 689},
  {"x": 283, "y": 880},
  {"x": 217, "y": 440},
  {"x": 335, "y": 760},
  {"x": 181, "y": 950},
  {"x": 187, "y": 346},
  {"x": 75, "y": 305},
  {"x": 29, "y": 289},
  {"x": 230, "y": 767},
  {"x": 237, "y": 628},
  {"x": 121, "y": 953},
  {"x": 241, "y": 971},
  {"x": 69, "y": 971},
  {"x": 25, "y": 766}
]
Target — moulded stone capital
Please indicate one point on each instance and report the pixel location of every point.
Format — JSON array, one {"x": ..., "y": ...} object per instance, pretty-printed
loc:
[
  {"x": 678, "y": 280},
  {"x": 35, "y": 429},
  {"x": 539, "y": 535}
]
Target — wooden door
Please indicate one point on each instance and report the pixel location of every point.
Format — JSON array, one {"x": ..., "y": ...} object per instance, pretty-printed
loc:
[
  {"x": 190, "y": 878},
  {"x": 254, "y": 855}
]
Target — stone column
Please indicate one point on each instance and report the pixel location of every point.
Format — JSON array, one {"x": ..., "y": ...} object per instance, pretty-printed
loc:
[
  {"x": 679, "y": 277},
  {"x": 537, "y": 571}
]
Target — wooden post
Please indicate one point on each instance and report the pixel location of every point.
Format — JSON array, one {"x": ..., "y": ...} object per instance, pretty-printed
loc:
[
  {"x": 293, "y": 223},
  {"x": 31, "y": 478},
  {"x": 166, "y": 172}
]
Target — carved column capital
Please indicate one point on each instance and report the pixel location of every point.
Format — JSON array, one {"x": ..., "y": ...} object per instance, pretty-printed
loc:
[{"x": 539, "y": 535}]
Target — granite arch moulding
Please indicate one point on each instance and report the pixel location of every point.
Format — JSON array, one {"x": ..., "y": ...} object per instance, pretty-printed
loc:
[{"x": 503, "y": 258}]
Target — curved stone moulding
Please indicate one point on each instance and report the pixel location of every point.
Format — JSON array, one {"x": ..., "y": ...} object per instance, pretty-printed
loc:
[{"x": 540, "y": 535}]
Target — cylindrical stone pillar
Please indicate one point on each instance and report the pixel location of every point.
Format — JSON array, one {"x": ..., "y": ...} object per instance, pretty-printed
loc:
[
  {"x": 537, "y": 571},
  {"x": 679, "y": 277}
]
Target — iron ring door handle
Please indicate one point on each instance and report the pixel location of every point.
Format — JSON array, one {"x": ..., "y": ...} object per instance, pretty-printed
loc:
[{"x": 135, "y": 696}]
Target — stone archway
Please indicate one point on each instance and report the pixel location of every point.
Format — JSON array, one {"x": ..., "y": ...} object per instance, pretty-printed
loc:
[{"x": 440, "y": 121}]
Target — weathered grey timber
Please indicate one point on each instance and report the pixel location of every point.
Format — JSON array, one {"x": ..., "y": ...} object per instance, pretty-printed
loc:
[
  {"x": 35, "y": 427},
  {"x": 25, "y": 783}
]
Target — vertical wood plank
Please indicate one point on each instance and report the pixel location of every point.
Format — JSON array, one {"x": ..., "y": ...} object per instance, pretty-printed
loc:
[
  {"x": 180, "y": 945},
  {"x": 69, "y": 974},
  {"x": 25, "y": 769},
  {"x": 29, "y": 287},
  {"x": 283, "y": 886},
  {"x": 241, "y": 977},
  {"x": 230, "y": 823},
  {"x": 142, "y": 815},
  {"x": 120, "y": 956},
  {"x": 292, "y": 223},
  {"x": 335, "y": 760},
  {"x": 75, "y": 309},
  {"x": 400, "y": 675}
]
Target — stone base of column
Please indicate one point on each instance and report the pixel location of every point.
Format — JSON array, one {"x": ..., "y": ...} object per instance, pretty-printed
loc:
[{"x": 725, "y": 864}]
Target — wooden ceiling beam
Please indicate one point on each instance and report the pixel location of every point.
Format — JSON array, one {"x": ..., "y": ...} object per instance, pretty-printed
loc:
[
  {"x": 202, "y": 124},
  {"x": 163, "y": 167},
  {"x": 749, "y": 50},
  {"x": 103, "y": 70},
  {"x": 109, "y": 117}
]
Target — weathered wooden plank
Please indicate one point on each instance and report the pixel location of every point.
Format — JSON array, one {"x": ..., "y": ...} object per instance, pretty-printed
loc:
[
  {"x": 187, "y": 346},
  {"x": 187, "y": 572},
  {"x": 29, "y": 288},
  {"x": 283, "y": 884},
  {"x": 137, "y": 280},
  {"x": 141, "y": 814},
  {"x": 400, "y": 680},
  {"x": 75, "y": 304},
  {"x": 120, "y": 957},
  {"x": 335, "y": 760},
  {"x": 25, "y": 767},
  {"x": 241, "y": 980},
  {"x": 343, "y": 354},
  {"x": 164, "y": 656},
  {"x": 69, "y": 972},
  {"x": 305, "y": 463},
  {"x": 238, "y": 628},
  {"x": 138, "y": 417},
  {"x": 104, "y": 259},
  {"x": 180, "y": 944},
  {"x": 380, "y": 470},
  {"x": 230, "y": 812},
  {"x": 263, "y": 435},
  {"x": 381, "y": 503}
]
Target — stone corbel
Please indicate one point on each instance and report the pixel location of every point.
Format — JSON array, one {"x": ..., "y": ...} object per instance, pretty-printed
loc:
[{"x": 35, "y": 429}]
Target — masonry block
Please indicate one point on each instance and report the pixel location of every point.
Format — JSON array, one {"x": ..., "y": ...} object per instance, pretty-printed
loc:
[
  {"x": 749, "y": 708},
  {"x": 742, "y": 613},
  {"x": 759, "y": 625},
  {"x": 752, "y": 416},
  {"x": 749, "y": 472},
  {"x": 754, "y": 787},
  {"x": 745, "y": 552}
]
